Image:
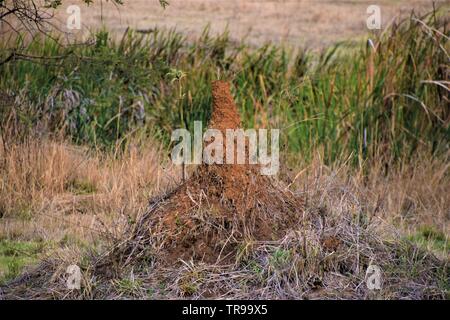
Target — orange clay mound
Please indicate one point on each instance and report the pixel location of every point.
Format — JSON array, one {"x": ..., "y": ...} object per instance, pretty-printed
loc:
[{"x": 218, "y": 207}]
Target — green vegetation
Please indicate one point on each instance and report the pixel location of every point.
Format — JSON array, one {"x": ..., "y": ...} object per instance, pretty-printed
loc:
[
  {"x": 429, "y": 238},
  {"x": 15, "y": 255},
  {"x": 128, "y": 286},
  {"x": 344, "y": 102}
]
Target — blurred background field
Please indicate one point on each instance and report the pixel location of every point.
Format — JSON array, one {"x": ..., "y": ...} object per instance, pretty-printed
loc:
[{"x": 305, "y": 23}]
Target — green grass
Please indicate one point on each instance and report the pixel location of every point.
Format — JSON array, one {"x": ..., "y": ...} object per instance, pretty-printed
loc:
[
  {"x": 15, "y": 255},
  {"x": 429, "y": 238},
  {"x": 333, "y": 103},
  {"x": 128, "y": 286}
]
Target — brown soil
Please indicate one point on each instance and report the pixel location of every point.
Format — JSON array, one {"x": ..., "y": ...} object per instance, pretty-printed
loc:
[{"x": 218, "y": 207}]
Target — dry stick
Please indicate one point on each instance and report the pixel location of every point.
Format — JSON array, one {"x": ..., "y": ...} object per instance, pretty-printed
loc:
[{"x": 183, "y": 171}]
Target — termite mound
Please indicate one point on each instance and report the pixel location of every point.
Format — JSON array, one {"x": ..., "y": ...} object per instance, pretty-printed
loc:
[{"x": 214, "y": 210}]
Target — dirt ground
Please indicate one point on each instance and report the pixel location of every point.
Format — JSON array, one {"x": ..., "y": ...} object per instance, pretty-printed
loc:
[{"x": 310, "y": 23}]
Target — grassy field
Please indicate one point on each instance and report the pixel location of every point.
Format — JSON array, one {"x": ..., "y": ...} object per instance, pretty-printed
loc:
[
  {"x": 312, "y": 24},
  {"x": 84, "y": 145}
]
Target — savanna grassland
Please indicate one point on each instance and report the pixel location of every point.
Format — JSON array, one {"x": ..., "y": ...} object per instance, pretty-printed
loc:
[{"x": 85, "y": 142}]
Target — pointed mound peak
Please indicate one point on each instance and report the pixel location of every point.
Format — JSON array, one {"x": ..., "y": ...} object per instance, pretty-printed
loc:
[{"x": 224, "y": 111}]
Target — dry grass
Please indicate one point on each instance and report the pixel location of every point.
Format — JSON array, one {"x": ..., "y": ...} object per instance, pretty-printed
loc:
[
  {"x": 351, "y": 221},
  {"x": 403, "y": 195},
  {"x": 281, "y": 21},
  {"x": 52, "y": 190}
]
